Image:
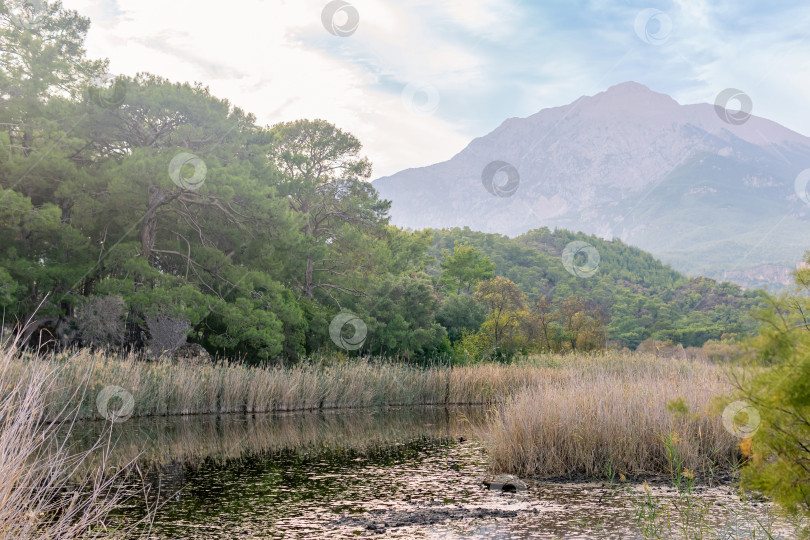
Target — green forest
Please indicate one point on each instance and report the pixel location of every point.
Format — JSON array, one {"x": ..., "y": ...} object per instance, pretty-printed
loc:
[{"x": 138, "y": 212}]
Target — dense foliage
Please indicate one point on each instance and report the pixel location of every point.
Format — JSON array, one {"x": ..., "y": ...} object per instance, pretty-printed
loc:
[
  {"x": 630, "y": 293},
  {"x": 775, "y": 423},
  {"x": 136, "y": 211}
]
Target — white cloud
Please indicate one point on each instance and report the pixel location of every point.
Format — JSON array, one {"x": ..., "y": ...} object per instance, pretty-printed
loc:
[
  {"x": 765, "y": 63},
  {"x": 488, "y": 60},
  {"x": 259, "y": 55}
]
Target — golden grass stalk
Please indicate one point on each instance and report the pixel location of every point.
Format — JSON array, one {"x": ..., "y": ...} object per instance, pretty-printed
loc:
[
  {"x": 556, "y": 415},
  {"x": 166, "y": 387},
  {"x": 41, "y": 496},
  {"x": 586, "y": 419}
]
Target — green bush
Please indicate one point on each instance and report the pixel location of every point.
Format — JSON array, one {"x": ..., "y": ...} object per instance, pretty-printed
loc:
[{"x": 780, "y": 391}]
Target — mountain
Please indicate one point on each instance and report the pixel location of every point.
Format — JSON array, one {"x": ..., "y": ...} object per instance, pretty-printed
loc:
[{"x": 707, "y": 196}]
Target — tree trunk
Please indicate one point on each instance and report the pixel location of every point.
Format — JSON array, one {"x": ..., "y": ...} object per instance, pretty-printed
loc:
[
  {"x": 157, "y": 197},
  {"x": 544, "y": 326},
  {"x": 28, "y": 142},
  {"x": 308, "y": 286}
]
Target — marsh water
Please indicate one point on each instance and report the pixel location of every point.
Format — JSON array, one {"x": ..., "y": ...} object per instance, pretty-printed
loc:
[{"x": 394, "y": 473}]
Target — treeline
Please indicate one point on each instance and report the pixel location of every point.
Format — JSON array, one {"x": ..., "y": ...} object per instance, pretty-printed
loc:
[
  {"x": 139, "y": 213},
  {"x": 629, "y": 295}
]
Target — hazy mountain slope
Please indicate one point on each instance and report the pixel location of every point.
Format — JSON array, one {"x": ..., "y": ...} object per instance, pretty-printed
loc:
[
  {"x": 641, "y": 297},
  {"x": 704, "y": 195}
]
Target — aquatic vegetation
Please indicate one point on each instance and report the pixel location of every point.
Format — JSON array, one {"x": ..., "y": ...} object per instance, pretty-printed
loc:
[
  {"x": 41, "y": 494},
  {"x": 610, "y": 415},
  {"x": 168, "y": 387}
]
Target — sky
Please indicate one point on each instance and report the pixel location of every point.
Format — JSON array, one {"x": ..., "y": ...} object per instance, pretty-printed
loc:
[{"x": 417, "y": 80}]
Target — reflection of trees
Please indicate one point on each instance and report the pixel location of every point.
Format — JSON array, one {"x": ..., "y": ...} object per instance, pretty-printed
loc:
[{"x": 189, "y": 439}]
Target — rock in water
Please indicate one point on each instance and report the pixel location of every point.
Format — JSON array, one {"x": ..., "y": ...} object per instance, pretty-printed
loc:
[{"x": 506, "y": 482}]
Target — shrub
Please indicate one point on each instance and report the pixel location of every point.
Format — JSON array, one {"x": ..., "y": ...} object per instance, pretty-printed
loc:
[
  {"x": 473, "y": 347},
  {"x": 780, "y": 394},
  {"x": 100, "y": 320}
]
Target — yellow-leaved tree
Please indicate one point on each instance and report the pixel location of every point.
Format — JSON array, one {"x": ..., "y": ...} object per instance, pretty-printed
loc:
[{"x": 505, "y": 304}]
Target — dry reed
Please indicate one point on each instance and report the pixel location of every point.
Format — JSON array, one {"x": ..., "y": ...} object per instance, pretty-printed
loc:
[
  {"x": 556, "y": 416},
  {"x": 601, "y": 418},
  {"x": 176, "y": 388},
  {"x": 41, "y": 494}
]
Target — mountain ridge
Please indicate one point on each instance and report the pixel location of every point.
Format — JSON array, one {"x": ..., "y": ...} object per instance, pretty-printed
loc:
[{"x": 598, "y": 164}]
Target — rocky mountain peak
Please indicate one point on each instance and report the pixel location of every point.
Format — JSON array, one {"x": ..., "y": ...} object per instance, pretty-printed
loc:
[{"x": 680, "y": 181}]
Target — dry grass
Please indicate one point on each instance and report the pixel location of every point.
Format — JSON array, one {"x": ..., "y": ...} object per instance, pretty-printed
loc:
[
  {"x": 41, "y": 496},
  {"x": 172, "y": 388},
  {"x": 603, "y": 418},
  {"x": 556, "y": 416}
]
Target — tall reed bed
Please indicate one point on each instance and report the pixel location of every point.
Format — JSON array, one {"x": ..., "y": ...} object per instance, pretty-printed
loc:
[
  {"x": 626, "y": 415},
  {"x": 41, "y": 494},
  {"x": 554, "y": 415},
  {"x": 176, "y": 388}
]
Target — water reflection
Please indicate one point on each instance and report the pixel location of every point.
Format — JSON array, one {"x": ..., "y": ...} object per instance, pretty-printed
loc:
[
  {"x": 386, "y": 474},
  {"x": 190, "y": 439}
]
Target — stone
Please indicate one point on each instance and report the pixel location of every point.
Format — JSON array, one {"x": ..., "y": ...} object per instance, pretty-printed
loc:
[
  {"x": 191, "y": 352},
  {"x": 506, "y": 482}
]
